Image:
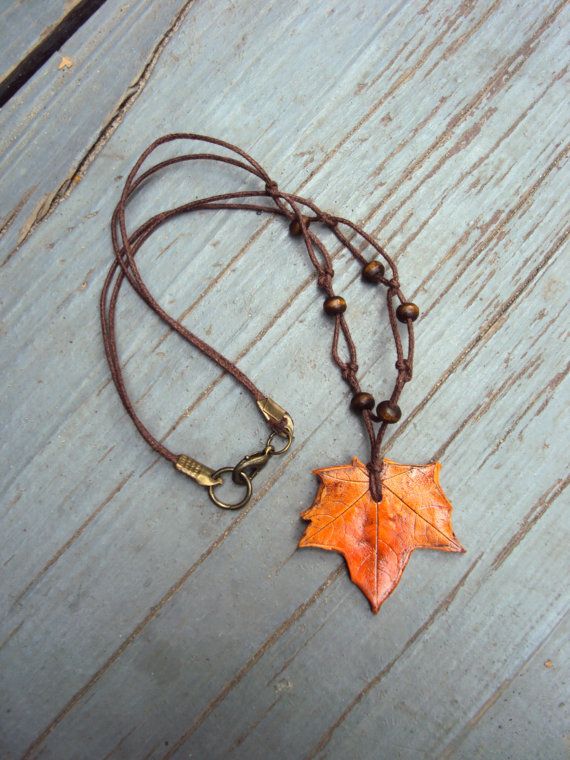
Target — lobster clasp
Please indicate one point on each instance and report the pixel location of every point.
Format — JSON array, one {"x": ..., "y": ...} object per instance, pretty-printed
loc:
[
  {"x": 246, "y": 470},
  {"x": 252, "y": 464}
]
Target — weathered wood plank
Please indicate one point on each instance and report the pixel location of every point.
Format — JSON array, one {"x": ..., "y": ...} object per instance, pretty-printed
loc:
[
  {"x": 503, "y": 721},
  {"x": 466, "y": 661},
  {"x": 35, "y": 294},
  {"x": 25, "y": 25},
  {"x": 126, "y": 587},
  {"x": 54, "y": 127},
  {"x": 294, "y": 668}
]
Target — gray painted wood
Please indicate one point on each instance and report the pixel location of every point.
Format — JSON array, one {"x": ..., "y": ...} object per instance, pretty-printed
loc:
[
  {"x": 25, "y": 24},
  {"x": 543, "y": 680},
  {"x": 138, "y": 621},
  {"x": 53, "y": 128}
]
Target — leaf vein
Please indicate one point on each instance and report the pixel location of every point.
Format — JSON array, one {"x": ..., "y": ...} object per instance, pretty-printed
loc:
[
  {"x": 350, "y": 506},
  {"x": 409, "y": 506}
]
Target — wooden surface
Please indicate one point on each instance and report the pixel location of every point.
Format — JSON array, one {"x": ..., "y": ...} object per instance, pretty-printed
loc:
[
  {"x": 25, "y": 25},
  {"x": 138, "y": 621}
]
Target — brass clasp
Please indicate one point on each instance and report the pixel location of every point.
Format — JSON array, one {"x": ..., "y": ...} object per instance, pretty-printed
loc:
[
  {"x": 274, "y": 412},
  {"x": 199, "y": 472},
  {"x": 252, "y": 464},
  {"x": 248, "y": 467},
  {"x": 246, "y": 470}
]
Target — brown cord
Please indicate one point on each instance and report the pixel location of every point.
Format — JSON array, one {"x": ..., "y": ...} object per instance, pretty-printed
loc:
[{"x": 292, "y": 207}]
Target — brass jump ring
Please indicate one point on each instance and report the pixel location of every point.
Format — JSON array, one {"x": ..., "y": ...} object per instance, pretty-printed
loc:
[
  {"x": 284, "y": 448},
  {"x": 248, "y": 490}
]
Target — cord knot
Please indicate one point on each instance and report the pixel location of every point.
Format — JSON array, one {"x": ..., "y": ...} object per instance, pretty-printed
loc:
[
  {"x": 348, "y": 372},
  {"x": 327, "y": 219},
  {"x": 271, "y": 187},
  {"x": 324, "y": 279},
  {"x": 403, "y": 366}
]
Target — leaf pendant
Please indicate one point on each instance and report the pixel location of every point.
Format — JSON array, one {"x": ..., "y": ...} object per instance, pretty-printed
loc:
[{"x": 377, "y": 538}]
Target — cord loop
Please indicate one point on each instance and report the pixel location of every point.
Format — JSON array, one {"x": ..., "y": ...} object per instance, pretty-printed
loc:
[{"x": 127, "y": 245}]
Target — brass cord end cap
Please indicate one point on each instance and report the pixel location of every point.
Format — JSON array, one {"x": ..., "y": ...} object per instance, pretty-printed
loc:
[
  {"x": 273, "y": 412},
  {"x": 199, "y": 472}
]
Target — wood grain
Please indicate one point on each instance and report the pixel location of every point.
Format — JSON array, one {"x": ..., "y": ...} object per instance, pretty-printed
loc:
[
  {"x": 25, "y": 26},
  {"x": 137, "y": 620},
  {"x": 77, "y": 106}
]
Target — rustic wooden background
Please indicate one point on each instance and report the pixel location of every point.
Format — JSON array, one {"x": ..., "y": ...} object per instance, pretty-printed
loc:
[{"x": 138, "y": 621}]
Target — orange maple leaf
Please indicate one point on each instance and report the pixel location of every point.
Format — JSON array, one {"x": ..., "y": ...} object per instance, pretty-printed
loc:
[{"x": 377, "y": 538}]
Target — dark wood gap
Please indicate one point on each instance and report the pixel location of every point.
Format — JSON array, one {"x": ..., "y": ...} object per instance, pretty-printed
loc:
[{"x": 45, "y": 48}]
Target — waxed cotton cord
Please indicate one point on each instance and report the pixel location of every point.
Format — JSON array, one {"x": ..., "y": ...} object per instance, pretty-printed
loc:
[{"x": 302, "y": 214}]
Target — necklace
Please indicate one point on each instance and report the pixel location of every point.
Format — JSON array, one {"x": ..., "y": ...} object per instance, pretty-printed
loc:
[{"x": 374, "y": 514}]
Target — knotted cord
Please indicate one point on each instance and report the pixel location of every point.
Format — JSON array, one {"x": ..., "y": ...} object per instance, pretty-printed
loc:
[{"x": 303, "y": 215}]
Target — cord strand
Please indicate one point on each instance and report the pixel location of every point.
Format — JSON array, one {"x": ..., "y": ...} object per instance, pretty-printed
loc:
[{"x": 292, "y": 208}]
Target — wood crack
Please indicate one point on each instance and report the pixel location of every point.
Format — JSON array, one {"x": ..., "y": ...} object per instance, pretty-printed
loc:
[
  {"x": 133, "y": 92},
  {"x": 441, "y": 608},
  {"x": 71, "y": 540},
  {"x": 153, "y": 612},
  {"x": 244, "y": 670},
  {"x": 450, "y": 750},
  {"x": 50, "y": 43},
  {"x": 530, "y": 519}
]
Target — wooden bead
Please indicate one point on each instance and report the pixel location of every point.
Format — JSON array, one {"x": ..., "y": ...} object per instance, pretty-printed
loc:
[
  {"x": 361, "y": 401},
  {"x": 295, "y": 227},
  {"x": 388, "y": 411},
  {"x": 407, "y": 311},
  {"x": 373, "y": 272},
  {"x": 334, "y": 305}
]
